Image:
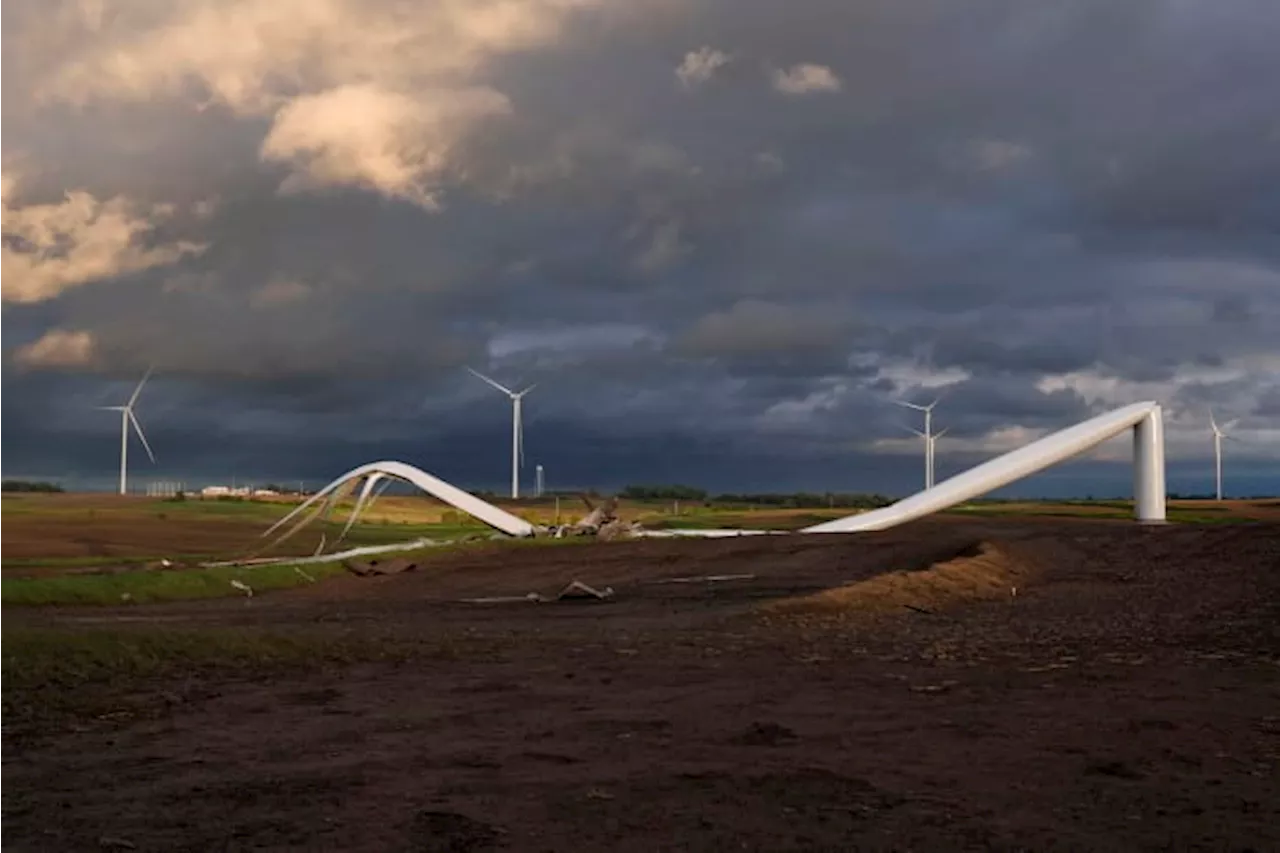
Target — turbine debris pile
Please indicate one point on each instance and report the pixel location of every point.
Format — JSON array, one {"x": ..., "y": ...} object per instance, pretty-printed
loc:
[{"x": 600, "y": 521}]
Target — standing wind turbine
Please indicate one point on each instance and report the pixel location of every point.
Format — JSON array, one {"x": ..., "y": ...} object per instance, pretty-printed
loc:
[
  {"x": 1219, "y": 433},
  {"x": 517, "y": 428},
  {"x": 927, "y": 435},
  {"x": 127, "y": 417},
  {"x": 930, "y": 449}
]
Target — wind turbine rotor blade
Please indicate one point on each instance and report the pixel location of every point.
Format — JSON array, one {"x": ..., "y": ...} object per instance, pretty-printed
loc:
[
  {"x": 1213, "y": 424},
  {"x": 338, "y": 495},
  {"x": 295, "y": 511},
  {"x": 138, "y": 429},
  {"x": 386, "y": 484},
  {"x": 319, "y": 508},
  {"x": 914, "y": 431},
  {"x": 362, "y": 503},
  {"x": 938, "y": 435},
  {"x": 910, "y": 405},
  {"x": 138, "y": 390},
  {"x": 504, "y": 389},
  {"x": 527, "y": 390},
  {"x": 110, "y": 408}
]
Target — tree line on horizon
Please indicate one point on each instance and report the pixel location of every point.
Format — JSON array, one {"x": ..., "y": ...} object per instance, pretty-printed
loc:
[
  {"x": 30, "y": 486},
  {"x": 782, "y": 500}
]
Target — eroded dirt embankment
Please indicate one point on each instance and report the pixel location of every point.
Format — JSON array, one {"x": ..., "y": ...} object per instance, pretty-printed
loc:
[{"x": 983, "y": 571}]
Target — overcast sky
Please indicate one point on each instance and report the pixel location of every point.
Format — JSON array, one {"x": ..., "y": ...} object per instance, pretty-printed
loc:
[{"x": 721, "y": 236}]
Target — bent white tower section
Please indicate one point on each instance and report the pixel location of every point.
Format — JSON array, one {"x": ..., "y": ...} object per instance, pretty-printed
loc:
[
  {"x": 491, "y": 515},
  {"x": 1148, "y": 471}
]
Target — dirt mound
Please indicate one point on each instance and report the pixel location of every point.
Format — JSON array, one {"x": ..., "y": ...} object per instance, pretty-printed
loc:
[{"x": 982, "y": 571}]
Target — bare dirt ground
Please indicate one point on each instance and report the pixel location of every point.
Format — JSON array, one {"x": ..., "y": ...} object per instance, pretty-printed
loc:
[{"x": 885, "y": 691}]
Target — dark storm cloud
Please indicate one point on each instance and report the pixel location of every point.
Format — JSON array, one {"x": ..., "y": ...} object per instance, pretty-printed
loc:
[
  {"x": 1005, "y": 191},
  {"x": 971, "y": 407},
  {"x": 988, "y": 356},
  {"x": 769, "y": 338}
]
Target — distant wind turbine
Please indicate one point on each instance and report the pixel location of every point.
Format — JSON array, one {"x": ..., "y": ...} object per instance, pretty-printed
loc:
[
  {"x": 517, "y": 428},
  {"x": 1219, "y": 433},
  {"x": 927, "y": 435},
  {"x": 931, "y": 451},
  {"x": 127, "y": 417}
]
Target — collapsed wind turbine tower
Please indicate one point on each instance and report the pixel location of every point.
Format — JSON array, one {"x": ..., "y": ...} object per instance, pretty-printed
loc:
[
  {"x": 1144, "y": 419},
  {"x": 517, "y": 428},
  {"x": 1219, "y": 433},
  {"x": 927, "y": 435},
  {"x": 127, "y": 417}
]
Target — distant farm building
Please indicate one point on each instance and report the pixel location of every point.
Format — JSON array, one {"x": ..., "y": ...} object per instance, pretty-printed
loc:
[{"x": 237, "y": 492}]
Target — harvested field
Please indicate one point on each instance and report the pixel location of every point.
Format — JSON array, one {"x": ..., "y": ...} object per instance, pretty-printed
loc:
[{"x": 874, "y": 692}]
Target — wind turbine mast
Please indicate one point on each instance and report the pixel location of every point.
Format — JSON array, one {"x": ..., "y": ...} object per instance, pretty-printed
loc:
[
  {"x": 127, "y": 417},
  {"x": 1219, "y": 433},
  {"x": 124, "y": 450},
  {"x": 927, "y": 435},
  {"x": 517, "y": 428},
  {"x": 515, "y": 445},
  {"x": 930, "y": 452}
]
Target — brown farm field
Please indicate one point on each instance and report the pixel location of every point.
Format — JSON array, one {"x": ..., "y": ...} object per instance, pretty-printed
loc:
[{"x": 974, "y": 681}]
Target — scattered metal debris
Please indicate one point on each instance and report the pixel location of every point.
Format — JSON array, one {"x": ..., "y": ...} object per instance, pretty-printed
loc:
[
  {"x": 575, "y": 591},
  {"x": 704, "y": 578},
  {"x": 243, "y": 587},
  {"x": 362, "y": 551},
  {"x": 704, "y": 533},
  {"x": 506, "y": 599}
]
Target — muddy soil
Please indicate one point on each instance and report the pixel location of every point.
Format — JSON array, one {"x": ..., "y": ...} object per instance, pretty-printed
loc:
[{"x": 1001, "y": 685}]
